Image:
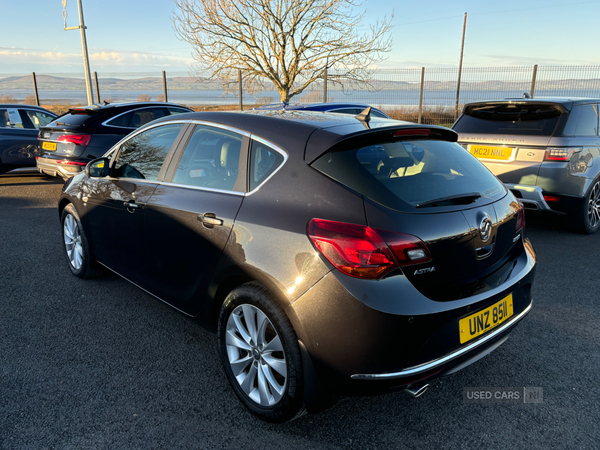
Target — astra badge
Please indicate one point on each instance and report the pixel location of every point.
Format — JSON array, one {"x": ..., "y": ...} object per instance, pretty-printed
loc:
[
  {"x": 426, "y": 270},
  {"x": 485, "y": 228}
]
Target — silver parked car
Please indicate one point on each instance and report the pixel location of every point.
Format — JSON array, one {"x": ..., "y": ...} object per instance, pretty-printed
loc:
[{"x": 546, "y": 151}]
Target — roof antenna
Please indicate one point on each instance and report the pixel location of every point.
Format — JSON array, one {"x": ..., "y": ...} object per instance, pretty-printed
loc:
[
  {"x": 365, "y": 117},
  {"x": 526, "y": 95}
]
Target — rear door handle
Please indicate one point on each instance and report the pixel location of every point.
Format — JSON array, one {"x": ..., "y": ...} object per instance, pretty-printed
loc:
[{"x": 210, "y": 220}]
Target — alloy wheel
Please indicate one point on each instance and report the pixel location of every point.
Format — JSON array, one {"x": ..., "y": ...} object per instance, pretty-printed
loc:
[
  {"x": 72, "y": 238},
  {"x": 256, "y": 355},
  {"x": 594, "y": 206}
]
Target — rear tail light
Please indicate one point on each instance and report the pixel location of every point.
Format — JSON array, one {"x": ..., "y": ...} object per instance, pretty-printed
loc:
[
  {"x": 561, "y": 153},
  {"x": 77, "y": 139},
  {"x": 365, "y": 252},
  {"x": 520, "y": 217},
  {"x": 66, "y": 162}
]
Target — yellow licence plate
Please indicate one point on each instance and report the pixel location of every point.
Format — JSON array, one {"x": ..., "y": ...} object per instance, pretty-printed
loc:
[
  {"x": 484, "y": 321},
  {"x": 51, "y": 146},
  {"x": 491, "y": 152}
]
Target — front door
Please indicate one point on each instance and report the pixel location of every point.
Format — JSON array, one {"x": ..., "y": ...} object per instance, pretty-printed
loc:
[{"x": 115, "y": 205}]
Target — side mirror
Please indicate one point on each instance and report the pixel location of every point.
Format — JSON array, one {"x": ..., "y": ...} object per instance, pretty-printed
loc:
[{"x": 98, "y": 168}]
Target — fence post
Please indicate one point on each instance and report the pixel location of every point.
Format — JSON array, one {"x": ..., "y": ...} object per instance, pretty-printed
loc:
[
  {"x": 241, "y": 92},
  {"x": 165, "y": 86},
  {"x": 533, "y": 81},
  {"x": 97, "y": 88},
  {"x": 421, "y": 95},
  {"x": 37, "y": 99},
  {"x": 462, "y": 48},
  {"x": 325, "y": 85}
]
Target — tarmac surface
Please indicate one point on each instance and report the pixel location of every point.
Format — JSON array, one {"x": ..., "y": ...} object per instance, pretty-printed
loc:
[{"x": 100, "y": 364}]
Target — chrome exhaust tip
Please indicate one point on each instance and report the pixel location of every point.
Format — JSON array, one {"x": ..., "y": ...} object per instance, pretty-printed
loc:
[{"x": 417, "y": 389}]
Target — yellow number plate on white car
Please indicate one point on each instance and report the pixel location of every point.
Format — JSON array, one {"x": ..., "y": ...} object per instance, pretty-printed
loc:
[
  {"x": 51, "y": 146},
  {"x": 491, "y": 152},
  {"x": 486, "y": 320}
]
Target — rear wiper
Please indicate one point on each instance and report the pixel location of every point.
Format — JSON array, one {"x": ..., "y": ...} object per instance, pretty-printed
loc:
[{"x": 456, "y": 199}]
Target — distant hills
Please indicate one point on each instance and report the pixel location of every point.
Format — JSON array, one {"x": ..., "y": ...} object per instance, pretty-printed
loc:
[{"x": 47, "y": 82}]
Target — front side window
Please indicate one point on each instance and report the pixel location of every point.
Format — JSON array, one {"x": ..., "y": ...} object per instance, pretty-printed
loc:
[
  {"x": 143, "y": 155},
  {"x": 211, "y": 159},
  {"x": 263, "y": 162},
  {"x": 10, "y": 118}
]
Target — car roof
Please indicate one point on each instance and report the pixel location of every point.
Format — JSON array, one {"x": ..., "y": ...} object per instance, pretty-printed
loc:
[
  {"x": 128, "y": 105},
  {"x": 16, "y": 105},
  {"x": 293, "y": 129},
  {"x": 315, "y": 106},
  {"x": 566, "y": 102}
]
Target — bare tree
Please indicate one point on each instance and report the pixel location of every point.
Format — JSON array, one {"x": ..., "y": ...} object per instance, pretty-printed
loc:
[{"x": 288, "y": 42}]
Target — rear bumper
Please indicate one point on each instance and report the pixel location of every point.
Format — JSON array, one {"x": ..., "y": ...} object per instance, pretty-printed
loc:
[
  {"x": 367, "y": 337},
  {"x": 532, "y": 197},
  {"x": 50, "y": 166},
  {"x": 470, "y": 350}
]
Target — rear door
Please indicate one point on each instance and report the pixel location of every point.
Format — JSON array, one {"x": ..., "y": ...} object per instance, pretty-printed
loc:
[
  {"x": 116, "y": 205},
  {"x": 188, "y": 221}
]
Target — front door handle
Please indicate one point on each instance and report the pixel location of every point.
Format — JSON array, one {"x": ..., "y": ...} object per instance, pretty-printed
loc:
[
  {"x": 210, "y": 220},
  {"x": 132, "y": 206}
]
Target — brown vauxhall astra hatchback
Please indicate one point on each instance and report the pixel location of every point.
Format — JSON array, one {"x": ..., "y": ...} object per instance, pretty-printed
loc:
[{"x": 332, "y": 254}]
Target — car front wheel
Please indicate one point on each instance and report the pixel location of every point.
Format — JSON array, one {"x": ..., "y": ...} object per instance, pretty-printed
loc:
[
  {"x": 261, "y": 355},
  {"x": 76, "y": 246}
]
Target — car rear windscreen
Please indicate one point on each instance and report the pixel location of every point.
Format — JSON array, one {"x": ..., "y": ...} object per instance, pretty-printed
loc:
[
  {"x": 515, "y": 119},
  {"x": 406, "y": 175}
]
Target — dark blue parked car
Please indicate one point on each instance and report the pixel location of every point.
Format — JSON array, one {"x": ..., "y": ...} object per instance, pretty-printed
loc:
[
  {"x": 19, "y": 126},
  {"x": 337, "y": 107}
]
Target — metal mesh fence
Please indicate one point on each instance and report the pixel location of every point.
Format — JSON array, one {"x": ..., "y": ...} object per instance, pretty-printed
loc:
[{"x": 396, "y": 91}]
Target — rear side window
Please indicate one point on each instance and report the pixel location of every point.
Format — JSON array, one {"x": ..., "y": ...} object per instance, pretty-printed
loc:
[
  {"x": 173, "y": 111},
  {"x": 583, "y": 121},
  {"x": 264, "y": 161},
  {"x": 37, "y": 118},
  {"x": 405, "y": 175},
  {"x": 121, "y": 120},
  {"x": 515, "y": 119}
]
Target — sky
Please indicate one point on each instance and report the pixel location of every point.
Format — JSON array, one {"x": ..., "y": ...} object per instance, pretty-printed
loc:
[{"x": 138, "y": 36}]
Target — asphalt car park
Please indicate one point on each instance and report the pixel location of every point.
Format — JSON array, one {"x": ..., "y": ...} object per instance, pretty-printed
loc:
[{"x": 102, "y": 364}]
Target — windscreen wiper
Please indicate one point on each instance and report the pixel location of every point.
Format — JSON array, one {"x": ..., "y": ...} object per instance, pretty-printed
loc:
[{"x": 463, "y": 199}]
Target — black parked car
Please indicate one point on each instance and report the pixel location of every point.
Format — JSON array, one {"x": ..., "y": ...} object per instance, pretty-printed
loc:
[
  {"x": 74, "y": 139},
  {"x": 19, "y": 126},
  {"x": 332, "y": 255}
]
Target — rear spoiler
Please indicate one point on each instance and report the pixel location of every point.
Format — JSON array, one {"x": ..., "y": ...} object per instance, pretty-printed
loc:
[
  {"x": 323, "y": 141},
  {"x": 470, "y": 106}
]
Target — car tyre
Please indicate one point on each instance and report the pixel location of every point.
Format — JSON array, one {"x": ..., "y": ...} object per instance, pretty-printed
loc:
[
  {"x": 261, "y": 355},
  {"x": 75, "y": 245},
  {"x": 587, "y": 220}
]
